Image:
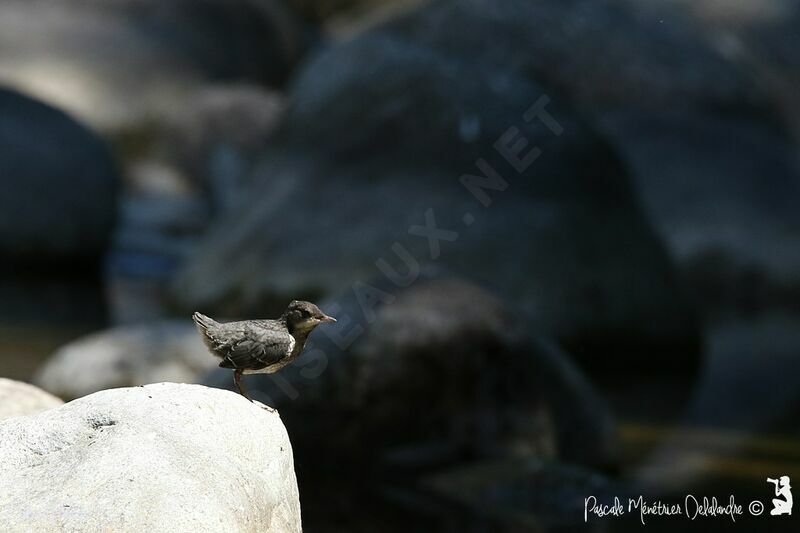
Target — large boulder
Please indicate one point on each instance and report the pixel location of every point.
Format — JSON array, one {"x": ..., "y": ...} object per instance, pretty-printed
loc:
[
  {"x": 578, "y": 49},
  {"x": 708, "y": 155},
  {"x": 59, "y": 185},
  {"x": 58, "y": 207},
  {"x": 20, "y": 399},
  {"x": 401, "y": 139},
  {"x": 762, "y": 39},
  {"x": 123, "y": 63},
  {"x": 125, "y": 356},
  {"x": 165, "y": 457},
  {"x": 439, "y": 372}
]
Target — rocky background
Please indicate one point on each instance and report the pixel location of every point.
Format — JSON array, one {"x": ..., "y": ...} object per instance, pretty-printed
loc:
[{"x": 562, "y": 240}]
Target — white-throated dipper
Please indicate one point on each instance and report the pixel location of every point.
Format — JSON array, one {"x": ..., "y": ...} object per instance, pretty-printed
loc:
[{"x": 260, "y": 346}]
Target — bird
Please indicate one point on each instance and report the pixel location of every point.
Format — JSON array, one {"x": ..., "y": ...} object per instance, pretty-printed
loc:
[{"x": 260, "y": 346}]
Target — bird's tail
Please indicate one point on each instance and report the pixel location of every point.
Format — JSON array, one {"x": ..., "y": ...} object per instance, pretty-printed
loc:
[{"x": 205, "y": 323}]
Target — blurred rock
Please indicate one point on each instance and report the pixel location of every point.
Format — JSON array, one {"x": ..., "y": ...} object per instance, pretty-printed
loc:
[
  {"x": 123, "y": 63},
  {"x": 738, "y": 202},
  {"x": 374, "y": 147},
  {"x": 126, "y": 356},
  {"x": 708, "y": 155},
  {"x": 748, "y": 389},
  {"x": 59, "y": 186},
  {"x": 761, "y": 39},
  {"x": 746, "y": 384},
  {"x": 198, "y": 164},
  {"x": 324, "y": 10},
  {"x": 445, "y": 372},
  {"x": 165, "y": 457},
  {"x": 162, "y": 216},
  {"x": 345, "y": 18},
  {"x": 604, "y": 54},
  {"x": 65, "y": 300},
  {"x": 164, "y": 223},
  {"x": 527, "y": 495},
  {"x": 217, "y": 137},
  {"x": 20, "y": 399}
]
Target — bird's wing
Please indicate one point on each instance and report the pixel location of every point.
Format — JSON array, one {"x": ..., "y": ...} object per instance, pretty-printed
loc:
[{"x": 256, "y": 348}]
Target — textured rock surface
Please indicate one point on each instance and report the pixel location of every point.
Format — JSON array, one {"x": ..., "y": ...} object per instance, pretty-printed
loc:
[
  {"x": 20, "y": 399},
  {"x": 58, "y": 185},
  {"x": 125, "y": 356},
  {"x": 165, "y": 457}
]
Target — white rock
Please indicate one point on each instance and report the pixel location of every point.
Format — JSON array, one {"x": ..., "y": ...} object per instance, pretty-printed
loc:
[
  {"x": 126, "y": 356},
  {"x": 164, "y": 457},
  {"x": 20, "y": 399}
]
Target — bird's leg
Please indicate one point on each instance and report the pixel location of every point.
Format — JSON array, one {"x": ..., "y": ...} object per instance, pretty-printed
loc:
[{"x": 237, "y": 381}]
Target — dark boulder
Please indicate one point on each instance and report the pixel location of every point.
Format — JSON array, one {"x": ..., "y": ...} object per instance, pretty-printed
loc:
[
  {"x": 701, "y": 122},
  {"x": 433, "y": 374},
  {"x": 383, "y": 139},
  {"x": 530, "y": 495},
  {"x": 602, "y": 54},
  {"x": 760, "y": 39},
  {"x": 59, "y": 185}
]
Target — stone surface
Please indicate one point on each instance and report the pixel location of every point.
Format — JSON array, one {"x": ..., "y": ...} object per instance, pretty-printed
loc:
[
  {"x": 387, "y": 128},
  {"x": 761, "y": 39},
  {"x": 165, "y": 457},
  {"x": 528, "y": 495},
  {"x": 125, "y": 356},
  {"x": 748, "y": 387},
  {"x": 322, "y": 10},
  {"x": 123, "y": 63},
  {"x": 20, "y": 399},
  {"x": 701, "y": 122},
  {"x": 218, "y": 136},
  {"x": 444, "y": 372},
  {"x": 59, "y": 185},
  {"x": 578, "y": 49},
  {"x": 720, "y": 175}
]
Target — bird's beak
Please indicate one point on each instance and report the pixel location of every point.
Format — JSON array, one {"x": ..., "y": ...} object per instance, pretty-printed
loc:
[{"x": 327, "y": 318}]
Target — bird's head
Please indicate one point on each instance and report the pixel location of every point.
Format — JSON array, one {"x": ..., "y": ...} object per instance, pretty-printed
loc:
[{"x": 302, "y": 317}]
